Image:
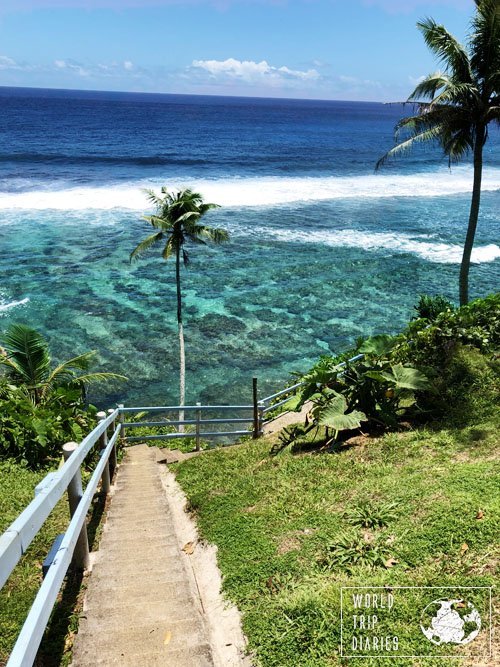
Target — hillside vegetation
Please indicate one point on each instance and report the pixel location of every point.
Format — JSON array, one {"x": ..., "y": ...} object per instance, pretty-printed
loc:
[{"x": 417, "y": 505}]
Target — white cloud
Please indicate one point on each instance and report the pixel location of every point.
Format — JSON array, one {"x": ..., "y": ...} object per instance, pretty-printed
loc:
[
  {"x": 128, "y": 65},
  {"x": 250, "y": 71},
  {"x": 7, "y": 63},
  {"x": 73, "y": 66}
]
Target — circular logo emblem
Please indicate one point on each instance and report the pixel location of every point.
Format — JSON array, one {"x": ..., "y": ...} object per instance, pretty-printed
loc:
[{"x": 450, "y": 622}]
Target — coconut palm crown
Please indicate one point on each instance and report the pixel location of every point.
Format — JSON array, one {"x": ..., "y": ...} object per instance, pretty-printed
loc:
[
  {"x": 177, "y": 222},
  {"x": 455, "y": 106}
]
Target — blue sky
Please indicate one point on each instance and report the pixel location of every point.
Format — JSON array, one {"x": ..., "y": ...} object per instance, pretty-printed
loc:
[{"x": 326, "y": 49}]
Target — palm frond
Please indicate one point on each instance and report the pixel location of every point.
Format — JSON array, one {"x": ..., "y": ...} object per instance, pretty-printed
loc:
[
  {"x": 485, "y": 44},
  {"x": 429, "y": 86},
  {"x": 145, "y": 245},
  {"x": 169, "y": 248},
  {"x": 90, "y": 378},
  {"x": 28, "y": 357},
  {"x": 447, "y": 48},
  {"x": 431, "y": 134}
]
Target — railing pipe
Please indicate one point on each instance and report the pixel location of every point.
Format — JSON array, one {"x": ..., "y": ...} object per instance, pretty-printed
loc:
[
  {"x": 191, "y": 422},
  {"x": 255, "y": 409},
  {"x": 26, "y": 647},
  {"x": 103, "y": 443},
  {"x": 16, "y": 539},
  {"x": 176, "y": 408}
]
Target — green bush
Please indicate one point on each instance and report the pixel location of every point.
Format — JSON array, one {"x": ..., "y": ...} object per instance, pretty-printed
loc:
[
  {"x": 34, "y": 433},
  {"x": 477, "y": 325},
  {"x": 429, "y": 307}
]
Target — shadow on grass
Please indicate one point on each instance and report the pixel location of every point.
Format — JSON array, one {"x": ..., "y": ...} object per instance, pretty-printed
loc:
[{"x": 57, "y": 642}]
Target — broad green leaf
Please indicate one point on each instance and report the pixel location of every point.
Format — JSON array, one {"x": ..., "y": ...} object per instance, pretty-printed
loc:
[
  {"x": 333, "y": 415},
  {"x": 378, "y": 345},
  {"x": 407, "y": 378}
]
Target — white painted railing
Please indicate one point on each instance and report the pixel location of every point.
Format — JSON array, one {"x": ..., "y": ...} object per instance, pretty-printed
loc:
[{"x": 74, "y": 546}]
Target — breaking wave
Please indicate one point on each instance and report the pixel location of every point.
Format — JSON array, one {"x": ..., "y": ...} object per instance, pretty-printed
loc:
[{"x": 259, "y": 191}]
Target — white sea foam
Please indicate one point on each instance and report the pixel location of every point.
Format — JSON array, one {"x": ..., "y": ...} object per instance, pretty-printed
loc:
[
  {"x": 12, "y": 304},
  {"x": 262, "y": 191},
  {"x": 420, "y": 245}
]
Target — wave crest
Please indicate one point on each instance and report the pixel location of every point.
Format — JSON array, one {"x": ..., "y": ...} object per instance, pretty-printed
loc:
[{"x": 258, "y": 191}]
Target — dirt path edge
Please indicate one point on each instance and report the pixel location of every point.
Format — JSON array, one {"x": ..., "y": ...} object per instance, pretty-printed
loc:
[{"x": 223, "y": 619}]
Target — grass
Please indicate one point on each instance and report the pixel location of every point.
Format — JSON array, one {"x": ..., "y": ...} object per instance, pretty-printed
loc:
[
  {"x": 16, "y": 492},
  {"x": 291, "y": 530}
]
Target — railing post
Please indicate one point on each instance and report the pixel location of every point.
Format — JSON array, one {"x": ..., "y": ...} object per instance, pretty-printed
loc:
[
  {"x": 81, "y": 558},
  {"x": 112, "y": 455},
  {"x": 121, "y": 419},
  {"x": 255, "y": 409},
  {"x": 261, "y": 416},
  {"x": 198, "y": 419},
  {"x": 103, "y": 442}
]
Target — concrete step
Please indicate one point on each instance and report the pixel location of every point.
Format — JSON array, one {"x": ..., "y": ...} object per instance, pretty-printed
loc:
[
  {"x": 104, "y": 603},
  {"x": 111, "y": 580},
  {"x": 178, "y": 635},
  {"x": 194, "y": 657},
  {"x": 143, "y": 612},
  {"x": 134, "y": 569}
]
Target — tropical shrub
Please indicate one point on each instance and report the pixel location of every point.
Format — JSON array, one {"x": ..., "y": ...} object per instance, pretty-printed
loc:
[
  {"x": 42, "y": 405},
  {"x": 34, "y": 433},
  {"x": 429, "y": 307},
  {"x": 431, "y": 346},
  {"x": 372, "y": 388}
]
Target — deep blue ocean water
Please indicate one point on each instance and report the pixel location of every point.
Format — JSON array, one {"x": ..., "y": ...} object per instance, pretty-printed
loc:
[{"x": 322, "y": 249}]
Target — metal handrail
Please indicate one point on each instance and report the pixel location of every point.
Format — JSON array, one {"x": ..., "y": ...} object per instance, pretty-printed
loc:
[
  {"x": 30, "y": 637},
  {"x": 19, "y": 535}
]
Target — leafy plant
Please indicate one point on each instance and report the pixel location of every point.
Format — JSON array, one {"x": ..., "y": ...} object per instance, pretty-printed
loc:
[
  {"x": 331, "y": 411},
  {"x": 372, "y": 387},
  {"x": 352, "y": 550},
  {"x": 371, "y": 515},
  {"x": 35, "y": 432},
  {"x": 429, "y": 307},
  {"x": 42, "y": 405},
  {"x": 430, "y": 347}
]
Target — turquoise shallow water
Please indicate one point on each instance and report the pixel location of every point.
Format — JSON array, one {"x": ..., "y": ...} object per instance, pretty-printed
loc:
[
  {"x": 263, "y": 305},
  {"x": 321, "y": 252}
]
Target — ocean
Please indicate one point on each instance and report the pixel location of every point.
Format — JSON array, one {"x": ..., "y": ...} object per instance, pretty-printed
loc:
[{"x": 322, "y": 250}]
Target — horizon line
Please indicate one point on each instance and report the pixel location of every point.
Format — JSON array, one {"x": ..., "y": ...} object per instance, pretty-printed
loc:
[{"x": 134, "y": 92}]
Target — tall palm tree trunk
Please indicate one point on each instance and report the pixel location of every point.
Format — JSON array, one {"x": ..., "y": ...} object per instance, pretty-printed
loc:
[
  {"x": 182, "y": 364},
  {"x": 473, "y": 215}
]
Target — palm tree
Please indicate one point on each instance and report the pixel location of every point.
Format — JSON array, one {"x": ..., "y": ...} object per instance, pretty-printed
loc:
[
  {"x": 455, "y": 107},
  {"x": 177, "y": 222},
  {"x": 26, "y": 359}
]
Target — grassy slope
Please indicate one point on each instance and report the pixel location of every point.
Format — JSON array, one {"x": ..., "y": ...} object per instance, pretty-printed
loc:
[
  {"x": 271, "y": 519},
  {"x": 16, "y": 491},
  {"x": 17, "y": 485}
]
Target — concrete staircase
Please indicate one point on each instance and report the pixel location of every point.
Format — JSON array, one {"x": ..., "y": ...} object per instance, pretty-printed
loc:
[{"x": 140, "y": 608}]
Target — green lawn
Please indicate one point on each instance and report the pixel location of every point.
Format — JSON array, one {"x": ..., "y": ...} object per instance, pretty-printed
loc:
[{"x": 286, "y": 541}]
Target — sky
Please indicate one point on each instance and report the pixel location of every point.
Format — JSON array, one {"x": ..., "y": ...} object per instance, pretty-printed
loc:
[{"x": 318, "y": 49}]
